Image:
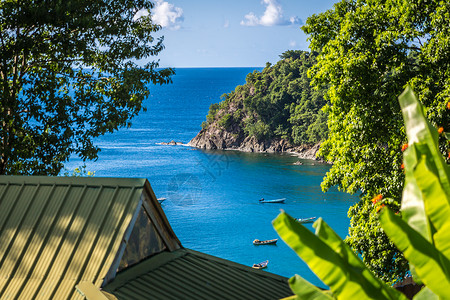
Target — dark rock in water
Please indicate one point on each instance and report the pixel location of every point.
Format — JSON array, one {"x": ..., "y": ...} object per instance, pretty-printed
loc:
[{"x": 171, "y": 143}]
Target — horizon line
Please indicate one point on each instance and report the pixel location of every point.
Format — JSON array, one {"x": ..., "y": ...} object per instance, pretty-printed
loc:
[{"x": 210, "y": 67}]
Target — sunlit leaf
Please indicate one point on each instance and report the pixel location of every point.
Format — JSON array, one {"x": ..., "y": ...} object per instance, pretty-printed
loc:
[
  {"x": 419, "y": 130},
  {"x": 436, "y": 204},
  {"x": 430, "y": 264},
  {"x": 426, "y": 294},
  {"x": 305, "y": 290},
  {"x": 332, "y": 261},
  {"x": 423, "y": 138},
  {"x": 413, "y": 206},
  {"x": 294, "y": 297}
]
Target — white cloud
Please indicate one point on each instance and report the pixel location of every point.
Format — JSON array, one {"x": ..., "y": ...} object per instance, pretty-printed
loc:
[
  {"x": 140, "y": 13},
  {"x": 250, "y": 20},
  {"x": 273, "y": 15},
  {"x": 295, "y": 20},
  {"x": 226, "y": 24},
  {"x": 167, "y": 15},
  {"x": 292, "y": 44},
  {"x": 164, "y": 14}
]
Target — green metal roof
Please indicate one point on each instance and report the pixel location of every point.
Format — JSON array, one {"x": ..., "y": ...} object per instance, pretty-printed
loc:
[
  {"x": 56, "y": 232},
  {"x": 63, "y": 238},
  {"x": 187, "y": 274}
]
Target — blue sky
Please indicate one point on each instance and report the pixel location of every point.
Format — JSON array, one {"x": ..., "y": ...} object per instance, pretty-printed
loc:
[{"x": 232, "y": 33}]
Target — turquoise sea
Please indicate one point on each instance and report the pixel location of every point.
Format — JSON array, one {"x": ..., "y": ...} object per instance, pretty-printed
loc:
[{"x": 212, "y": 196}]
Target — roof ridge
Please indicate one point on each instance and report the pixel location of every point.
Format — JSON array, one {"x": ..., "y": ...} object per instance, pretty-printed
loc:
[
  {"x": 142, "y": 268},
  {"x": 72, "y": 181}
]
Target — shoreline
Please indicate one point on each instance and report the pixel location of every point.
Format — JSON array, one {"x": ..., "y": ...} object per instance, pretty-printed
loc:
[{"x": 302, "y": 152}]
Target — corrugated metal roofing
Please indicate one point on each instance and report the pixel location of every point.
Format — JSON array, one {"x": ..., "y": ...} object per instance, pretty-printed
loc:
[
  {"x": 187, "y": 274},
  {"x": 58, "y": 231}
]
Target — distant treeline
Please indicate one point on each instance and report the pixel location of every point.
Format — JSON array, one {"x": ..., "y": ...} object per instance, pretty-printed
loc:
[{"x": 277, "y": 102}]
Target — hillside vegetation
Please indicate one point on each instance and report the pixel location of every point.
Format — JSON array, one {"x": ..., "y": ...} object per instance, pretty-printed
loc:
[{"x": 276, "y": 105}]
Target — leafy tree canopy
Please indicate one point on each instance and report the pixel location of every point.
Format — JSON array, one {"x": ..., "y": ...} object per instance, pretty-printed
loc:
[
  {"x": 277, "y": 102},
  {"x": 69, "y": 73},
  {"x": 368, "y": 51}
]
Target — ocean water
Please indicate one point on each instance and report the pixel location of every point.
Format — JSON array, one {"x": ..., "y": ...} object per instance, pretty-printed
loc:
[{"x": 212, "y": 196}]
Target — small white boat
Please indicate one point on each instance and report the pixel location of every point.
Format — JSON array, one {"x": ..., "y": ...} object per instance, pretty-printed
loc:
[
  {"x": 161, "y": 200},
  {"x": 261, "y": 265},
  {"x": 306, "y": 220},
  {"x": 272, "y": 201},
  {"x": 266, "y": 242}
]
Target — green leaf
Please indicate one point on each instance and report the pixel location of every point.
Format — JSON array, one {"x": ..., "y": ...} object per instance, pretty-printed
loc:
[
  {"x": 430, "y": 264},
  {"x": 447, "y": 135},
  {"x": 436, "y": 204},
  {"x": 419, "y": 131},
  {"x": 305, "y": 290},
  {"x": 327, "y": 235},
  {"x": 332, "y": 261},
  {"x": 426, "y": 294},
  {"x": 413, "y": 206},
  {"x": 427, "y": 182},
  {"x": 294, "y": 297}
]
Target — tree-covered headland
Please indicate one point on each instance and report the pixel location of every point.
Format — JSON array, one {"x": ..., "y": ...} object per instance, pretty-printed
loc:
[
  {"x": 69, "y": 73},
  {"x": 277, "y": 103},
  {"x": 368, "y": 52}
]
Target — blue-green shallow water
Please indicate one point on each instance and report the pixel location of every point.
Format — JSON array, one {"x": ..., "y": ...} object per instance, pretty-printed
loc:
[{"x": 212, "y": 196}]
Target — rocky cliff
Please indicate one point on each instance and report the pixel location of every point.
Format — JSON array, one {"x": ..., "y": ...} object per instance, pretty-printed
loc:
[{"x": 215, "y": 137}]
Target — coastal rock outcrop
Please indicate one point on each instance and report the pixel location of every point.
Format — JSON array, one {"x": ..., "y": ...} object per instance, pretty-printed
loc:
[
  {"x": 309, "y": 152},
  {"x": 171, "y": 143},
  {"x": 216, "y": 138}
]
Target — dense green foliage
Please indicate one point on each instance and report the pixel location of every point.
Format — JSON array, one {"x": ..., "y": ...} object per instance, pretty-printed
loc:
[
  {"x": 332, "y": 261},
  {"x": 421, "y": 232},
  {"x": 369, "y": 50},
  {"x": 277, "y": 102},
  {"x": 68, "y": 74}
]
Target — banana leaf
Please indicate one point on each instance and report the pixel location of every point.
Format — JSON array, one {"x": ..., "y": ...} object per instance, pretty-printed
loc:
[
  {"x": 436, "y": 204},
  {"x": 420, "y": 131},
  {"x": 423, "y": 140},
  {"x": 413, "y": 205},
  {"x": 426, "y": 294},
  {"x": 293, "y": 297},
  {"x": 305, "y": 290},
  {"x": 332, "y": 260},
  {"x": 430, "y": 264}
]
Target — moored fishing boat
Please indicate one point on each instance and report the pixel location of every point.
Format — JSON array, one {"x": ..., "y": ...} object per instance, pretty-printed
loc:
[
  {"x": 281, "y": 200},
  {"x": 266, "y": 242},
  {"x": 306, "y": 220},
  {"x": 261, "y": 265},
  {"x": 161, "y": 200}
]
